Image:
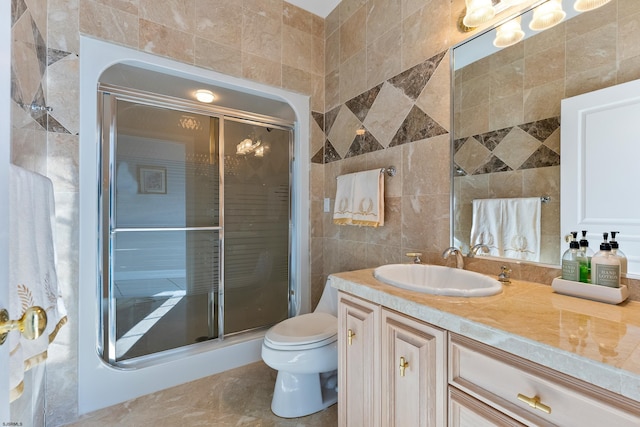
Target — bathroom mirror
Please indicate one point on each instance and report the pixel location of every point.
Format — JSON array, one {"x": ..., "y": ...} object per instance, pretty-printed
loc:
[{"x": 506, "y": 116}]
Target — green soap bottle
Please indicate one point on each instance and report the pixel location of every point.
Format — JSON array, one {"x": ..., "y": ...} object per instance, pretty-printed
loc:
[
  {"x": 573, "y": 262},
  {"x": 587, "y": 253}
]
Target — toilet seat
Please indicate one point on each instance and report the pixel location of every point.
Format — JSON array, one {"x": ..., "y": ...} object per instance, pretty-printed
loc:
[{"x": 302, "y": 332}]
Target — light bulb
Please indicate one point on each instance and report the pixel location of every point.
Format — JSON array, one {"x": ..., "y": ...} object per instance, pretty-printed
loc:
[
  {"x": 478, "y": 12},
  {"x": 587, "y": 5},
  {"x": 547, "y": 15},
  {"x": 509, "y": 33}
]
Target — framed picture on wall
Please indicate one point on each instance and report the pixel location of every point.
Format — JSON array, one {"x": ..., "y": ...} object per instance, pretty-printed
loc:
[{"x": 152, "y": 179}]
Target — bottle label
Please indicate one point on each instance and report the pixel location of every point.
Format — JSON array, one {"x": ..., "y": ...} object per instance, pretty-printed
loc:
[
  {"x": 571, "y": 270},
  {"x": 606, "y": 275}
]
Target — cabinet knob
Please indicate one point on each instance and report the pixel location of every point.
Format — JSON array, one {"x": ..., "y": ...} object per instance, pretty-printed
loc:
[
  {"x": 534, "y": 402},
  {"x": 403, "y": 365},
  {"x": 350, "y": 335}
]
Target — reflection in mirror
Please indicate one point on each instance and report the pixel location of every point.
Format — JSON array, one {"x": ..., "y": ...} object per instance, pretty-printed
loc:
[{"x": 506, "y": 126}]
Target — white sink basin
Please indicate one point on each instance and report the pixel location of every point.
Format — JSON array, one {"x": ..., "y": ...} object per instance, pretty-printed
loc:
[{"x": 438, "y": 280}]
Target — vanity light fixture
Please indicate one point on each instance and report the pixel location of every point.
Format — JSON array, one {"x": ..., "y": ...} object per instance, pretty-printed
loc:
[
  {"x": 587, "y": 5},
  {"x": 204, "y": 95},
  {"x": 478, "y": 12},
  {"x": 509, "y": 33},
  {"x": 547, "y": 15}
]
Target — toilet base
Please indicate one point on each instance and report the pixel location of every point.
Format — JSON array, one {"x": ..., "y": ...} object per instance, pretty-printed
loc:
[{"x": 298, "y": 395}]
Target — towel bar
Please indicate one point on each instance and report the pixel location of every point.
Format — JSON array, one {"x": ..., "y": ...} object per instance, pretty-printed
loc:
[{"x": 389, "y": 170}]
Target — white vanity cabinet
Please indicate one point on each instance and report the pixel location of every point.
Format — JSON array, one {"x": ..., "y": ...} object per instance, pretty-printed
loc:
[
  {"x": 395, "y": 370},
  {"x": 392, "y": 368}
]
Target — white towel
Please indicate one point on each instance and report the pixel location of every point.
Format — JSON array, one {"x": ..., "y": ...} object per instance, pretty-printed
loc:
[
  {"x": 32, "y": 272},
  {"x": 360, "y": 199},
  {"x": 509, "y": 227},
  {"x": 343, "y": 207}
]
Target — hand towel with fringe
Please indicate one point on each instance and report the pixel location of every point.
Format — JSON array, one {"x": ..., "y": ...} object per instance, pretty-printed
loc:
[
  {"x": 360, "y": 199},
  {"x": 509, "y": 227},
  {"x": 32, "y": 271}
]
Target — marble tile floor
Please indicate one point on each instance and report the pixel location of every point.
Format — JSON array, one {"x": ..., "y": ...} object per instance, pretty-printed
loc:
[{"x": 239, "y": 397}]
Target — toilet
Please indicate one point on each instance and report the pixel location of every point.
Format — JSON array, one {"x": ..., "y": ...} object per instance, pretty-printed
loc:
[{"x": 304, "y": 351}]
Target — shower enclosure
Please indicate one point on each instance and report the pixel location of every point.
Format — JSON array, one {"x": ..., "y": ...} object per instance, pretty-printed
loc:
[{"x": 195, "y": 224}]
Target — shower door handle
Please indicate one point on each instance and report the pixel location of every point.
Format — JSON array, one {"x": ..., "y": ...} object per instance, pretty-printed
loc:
[{"x": 31, "y": 325}]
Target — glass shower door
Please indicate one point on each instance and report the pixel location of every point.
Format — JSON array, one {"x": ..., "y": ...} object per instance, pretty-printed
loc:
[
  {"x": 164, "y": 230},
  {"x": 257, "y": 161}
]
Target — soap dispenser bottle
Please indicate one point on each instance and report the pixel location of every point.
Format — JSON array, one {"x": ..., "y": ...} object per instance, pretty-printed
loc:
[
  {"x": 615, "y": 250},
  {"x": 605, "y": 267},
  {"x": 573, "y": 260},
  {"x": 587, "y": 253}
]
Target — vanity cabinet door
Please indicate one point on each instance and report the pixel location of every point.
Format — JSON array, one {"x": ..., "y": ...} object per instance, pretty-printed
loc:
[
  {"x": 413, "y": 372},
  {"x": 358, "y": 362}
]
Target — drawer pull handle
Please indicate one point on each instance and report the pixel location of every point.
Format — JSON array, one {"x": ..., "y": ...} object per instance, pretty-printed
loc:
[
  {"x": 350, "y": 335},
  {"x": 403, "y": 365},
  {"x": 535, "y": 403}
]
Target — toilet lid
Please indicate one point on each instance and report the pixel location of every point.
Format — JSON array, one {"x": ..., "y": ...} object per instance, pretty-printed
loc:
[{"x": 303, "y": 330}]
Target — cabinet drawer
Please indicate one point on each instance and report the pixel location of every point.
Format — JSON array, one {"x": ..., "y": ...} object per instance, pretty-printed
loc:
[
  {"x": 505, "y": 381},
  {"x": 465, "y": 411}
]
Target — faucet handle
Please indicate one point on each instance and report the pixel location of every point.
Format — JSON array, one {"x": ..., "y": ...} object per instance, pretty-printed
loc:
[
  {"x": 504, "y": 274},
  {"x": 416, "y": 257}
]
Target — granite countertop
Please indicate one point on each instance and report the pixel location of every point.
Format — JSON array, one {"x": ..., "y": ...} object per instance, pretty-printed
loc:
[{"x": 593, "y": 341}]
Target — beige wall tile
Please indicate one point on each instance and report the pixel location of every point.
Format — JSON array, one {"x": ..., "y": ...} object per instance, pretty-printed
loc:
[
  {"x": 543, "y": 101},
  {"x": 297, "y": 48},
  {"x": 554, "y": 69},
  {"x": 218, "y": 57},
  {"x": 332, "y": 22},
  {"x": 351, "y": 81},
  {"x": 332, "y": 52},
  {"x": 108, "y": 24},
  {"x": 505, "y": 184},
  {"x": 268, "y": 8},
  {"x": 165, "y": 41},
  {"x": 317, "y": 94},
  {"x": 63, "y": 91},
  {"x": 384, "y": 57},
  {"x": 435, "y": 99},
  {"x": 426, "y": 166},
  {"x": 506, "y": 112},
  {"x": 296, "y": 80},
  {"x": 352, "y": 34},
  {"x": 348, "y": 8},
  {"x": 129, "y": 6},
  {"x": 261, "y": 69},
  {"x": 594, "y": 49},
  {"x": 219, "y": 21},
  {"x": 298, "y": 18},
  {"x": 63, "y": 25},
  {"x": 382, "y": 16},
  {"x": 628, "y": 28},
  {"x": 332, "y": 90},
  {"x": 425, "y": 33},
  {"x": 176, "y": 14},
  {"x": 262, "y": 36}
]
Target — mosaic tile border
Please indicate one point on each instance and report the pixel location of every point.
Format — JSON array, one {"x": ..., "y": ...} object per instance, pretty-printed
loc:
[
  {"x": 380, "y": 132},
  {"x": 543, "y": 156}
]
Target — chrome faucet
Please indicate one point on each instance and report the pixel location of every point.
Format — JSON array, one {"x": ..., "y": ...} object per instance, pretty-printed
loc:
[
  {"x": 475, "y": 248},
  {"x": 504, "y": 274},
  {"x": 454, "y": 251}
]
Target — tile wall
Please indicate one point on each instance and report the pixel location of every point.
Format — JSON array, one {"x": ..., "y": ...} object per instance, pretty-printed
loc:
[{"x": 348, "y": 63}]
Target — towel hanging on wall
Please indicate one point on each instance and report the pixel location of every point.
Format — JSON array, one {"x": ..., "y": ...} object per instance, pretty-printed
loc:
[
  {"x": 32, "y": 272},
  {"x": 360, "y": 199},
  {"x": 509, "y": 227}
]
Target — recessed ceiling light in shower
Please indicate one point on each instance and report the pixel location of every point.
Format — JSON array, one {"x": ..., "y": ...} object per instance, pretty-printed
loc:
[{"x": 204, "y": 95}]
